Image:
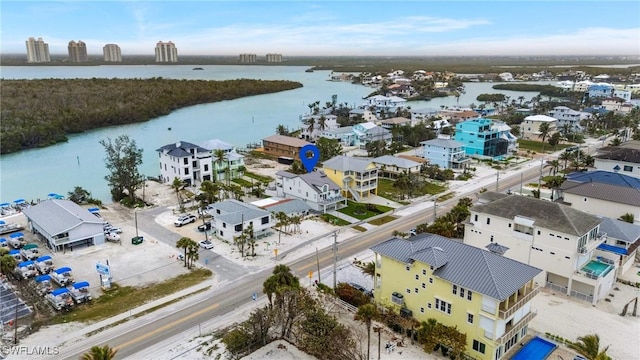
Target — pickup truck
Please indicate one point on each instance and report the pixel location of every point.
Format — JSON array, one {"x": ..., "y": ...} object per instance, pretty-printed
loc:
[
  {"x": 60, "y": 299},
  {"x": 62, "y": 276},
  {"x": 205, "y": 227},
  {"x": 44, "y": 264},
  {"x": 80, "y": 292},
  {"x": 184, "y": 220}
]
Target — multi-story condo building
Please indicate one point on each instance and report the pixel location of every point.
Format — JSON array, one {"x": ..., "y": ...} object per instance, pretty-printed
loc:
[
  {"x": 166, "y": 52},
  {"x": 556, "y": 238},
  {"x": 274, "y": 58},
  {"x": 570, "y": 117},
  {"x": 227, "y": 163},
  {"x": 357, "y": 177},
  {"x": 368, "y": 132},
  {"x": 445, "y": 152},
  {"x": 112, "y": 53},
  {"x": 232, "y": 217},
  {"x": 483, "y": 137},
  {"x": 283, "y": 146},
  {"x": 185, "y": 161},
  {"x": 484, "y": 295},
  {"x": 316, "y": 189},
  {"x": 77, "y": 51},
  {"x": 530, "y": 126},
  {"x": 248, "y": 58},
  {"x": 37, "y": 51}
]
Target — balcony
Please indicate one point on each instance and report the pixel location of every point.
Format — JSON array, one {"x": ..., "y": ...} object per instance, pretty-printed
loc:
[
  {"x": 591, "y": 245},
  {"x": 510, "y": 331},
  {"x": 331, "y": 200},
  {"x": 522, "y": 299}
]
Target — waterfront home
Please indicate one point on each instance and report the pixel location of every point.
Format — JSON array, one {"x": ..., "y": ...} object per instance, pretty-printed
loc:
[
  {"x": 391, "y": 166},
  {"x": 530, "y": 127},
  {"x": 622, "y": 94},
  {"x": 183, "y": 160},
  {"x": 423, "y": 114},
  {"x": 231, "y": 217},
  {"x": 445, "y": 152},
  {"x": 364, "y": 115},
  {"x": 345, "y": 135},
  {"x": 483, "y": 295},
  {"x": 316, "y": 189},
  {"x": 369, "y": 132},
  {"x": 231, "y": 166},
  {"x": 556, "y": 238},
  {"x": 621, "y": 246},
  {"x": 63, "y": 224},
  {"x": 602, "y": 193},
  {"x": 620, "y": 159},
  {"x": 283, "y": 146},
  {"x": 290, "y": 207},
  {"x": 385, "y": 102},
  {"x": 484, "y": 138},
  {"x": 612, "y": 103},
  {"x": 396, "y": 121},
  {"x": 356, "y": 177},
  {"x": 314, "y": 125},
  {"x": 567, "y": 116},
  {"x": 599, "y": 90},
  {"x": 456, "y": 116}
]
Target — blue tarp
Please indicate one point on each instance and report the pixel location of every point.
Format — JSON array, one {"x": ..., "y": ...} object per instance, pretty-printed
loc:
[
  {"x": 60, "y": 291},
  {"x": 16, "y": 235},
  {"x": 94, "y": 210},
  {"x": 63, "y": 270},
  {"x": 80, "y": 285},
  {"x": 613, "y": 249},
  {"x": 43, "y": 258},
  {"x": 42, "y": 278}
]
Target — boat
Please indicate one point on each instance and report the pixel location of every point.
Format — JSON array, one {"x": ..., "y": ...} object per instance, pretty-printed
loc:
[
  {"x": 198, "y": 68},
  {"x": 309, "y": 70}
]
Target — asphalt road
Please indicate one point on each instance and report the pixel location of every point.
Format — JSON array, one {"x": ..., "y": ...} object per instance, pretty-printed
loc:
[{"x": 134, "y": 336}]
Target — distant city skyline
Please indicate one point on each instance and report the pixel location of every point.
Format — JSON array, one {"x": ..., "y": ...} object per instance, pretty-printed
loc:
[{"x": 329, "y": 28}]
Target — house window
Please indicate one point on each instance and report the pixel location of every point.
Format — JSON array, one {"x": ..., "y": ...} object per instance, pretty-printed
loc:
[
  {"x": 264, "y": 220},
  {"x": 221, "y": 233},
  {"x": 424, "y": 272},
  {"x": 417, "y": 277},
  {"x": 430, "y": 280},
  {"x": 538, "y": 232},
  {"x": 185, "y": 161},
  {"x": 415, "y": 290},
  {"x": 407, "y": 267},
  {"x": 491, "y": 238},
  {"x": 206, "y": 167},
  {"x": 627, "y": 168},
  {"x": 428, "y": 305},
  {"x": 470, "y": 318},
  {"x": 462, "y": 292},
  {"x": 422, "y": 310},
  {"x": 238, "y": 227},
  {"x": 478, "y": 346},
  {"x": 475, "y": 217},
  {"x": 424, "y": 286},
  {"x": 224, "y": 225},
  {"x": 455, "y": 289},
  {"x": 186, "y": 171},
  {"x": 488, "y": 221},
  {"x": 408, "y": 291},
  {"x": 443, "y": 306},
  {"x": 509, "y": 224},
  {"x": 469, "y": 295}
]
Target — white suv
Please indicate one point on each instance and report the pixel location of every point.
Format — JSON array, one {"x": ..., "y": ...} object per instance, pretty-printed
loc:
[{"x": 184, "y": 220}]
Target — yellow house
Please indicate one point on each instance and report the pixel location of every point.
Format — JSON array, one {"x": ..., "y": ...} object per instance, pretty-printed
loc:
[
  {"x": 357, "y": 177},
  {"x": 485, "y": 295}
]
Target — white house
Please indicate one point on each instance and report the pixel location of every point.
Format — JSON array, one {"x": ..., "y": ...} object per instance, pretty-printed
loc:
[
  {"x": 621, "y": 246},
  {"x": 314, "y": 125},
  {"x": 385, "y": 102},
  {"x": 556, "y": 238},
  {"x": 530, "y": 126},
  {"x": 621, "y": 160},
  {"x": 345, "y": 135},
  {"x": 391, "y": 166},
  {"x": 424, "y": 114},
  {"x": 231, "y": 166},
  {"x": 369, "y": 132},
  {"x": 231, "y": 217},
  {"x": 444, "y": 152},
  {"x": 316, "y": 189},
  {"x": 185, "y": 161},
  {"x": 568, "y": 116}
]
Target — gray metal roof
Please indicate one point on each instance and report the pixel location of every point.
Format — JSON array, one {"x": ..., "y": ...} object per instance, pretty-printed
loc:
[
  {"x": 473, "y": 268},
  {"x": 315, "y": 179},
  {"x": 608, "y": 192},
  {"x": 59, "y": 216},
  {"x": 181, "y": 149},
  {"x": 621, "y": 154},
  {"x": 288, "y": 206},
  {"x": 234, "y": 211},
  {"x": 345, "y": 163},
  {"x": 445, "y": 143},
  {"x": 497, "y": 248},
  {"x": 546, "y": 214},
  {"x": 620, "y": 230},
  {"x": 390, "y": 160}
]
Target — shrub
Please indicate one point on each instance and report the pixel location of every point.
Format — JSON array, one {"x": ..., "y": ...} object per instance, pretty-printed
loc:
[{"x": 350, "y": 295}]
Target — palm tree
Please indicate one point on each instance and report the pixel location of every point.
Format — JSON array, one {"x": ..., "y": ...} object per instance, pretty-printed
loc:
[
  {"x": 322, "y": 123},
  {"x": 628, "y": 217},
  {"x": 369, "y": 268},
  {"x": 192, "y": 253},
  {"x": 219, "y": 155},
  {"x": 566, "y": 130},
  {"x": 7, "y": 264},
  {"x": 211, "y": 191},
  {"x": 311, "y": 126},
  {"x": 367, "y": 313},
  {"x": 177, "y": 186},
  {"x": 553, "y": 166},
  {"x": 615, "y": 142},
  {"x": 282, "y": 130},
  {"x": 544, "y": 132},
  {"x": 566, "y": 156},
  {"x": 184, "y": 243},
  {"x": 589, "y": 347},
  {"x": 100, "y": 353}
]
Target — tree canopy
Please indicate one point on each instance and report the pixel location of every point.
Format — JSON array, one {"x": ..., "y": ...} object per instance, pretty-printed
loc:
[{"x": 122, "y": 161}]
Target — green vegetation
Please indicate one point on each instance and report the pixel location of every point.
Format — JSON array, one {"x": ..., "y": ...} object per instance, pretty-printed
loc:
[
  {"x": 359, "y": 228},
  {"x": 491, "y": 97},
  {"x": 545, "y": 90},
  {"x": 38, "y": 113},
  {"x": 121, "y": 299},
  {"x": 383, "y": 220},
  {"x": 363, "y": 211},
  {"x": 537, "y": 146},
  {"x": 242, "y": 182},
  {"x": 387, "y": 190},
  {"x": 264, "y": 179},
  {"x": 334, "y": 220}
]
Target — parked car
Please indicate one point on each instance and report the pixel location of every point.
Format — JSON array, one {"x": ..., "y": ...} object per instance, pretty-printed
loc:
[
  {"x": 184, "y": 220},
  {"x": 207, "y": 244},
  {"x": 108, "y": 228},
  {"x": 112, "y": 236},
  {"x": 361, "y": 289},
  {"x": 204, "y": 227}
]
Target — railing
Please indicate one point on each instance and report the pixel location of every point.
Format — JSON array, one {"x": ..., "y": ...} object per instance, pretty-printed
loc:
[
  {"x": 516, "y": 328},
  {"x": 504, "y": 314}
]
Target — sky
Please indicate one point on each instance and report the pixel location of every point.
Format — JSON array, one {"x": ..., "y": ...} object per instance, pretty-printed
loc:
[{"x": 329, "y": 28}]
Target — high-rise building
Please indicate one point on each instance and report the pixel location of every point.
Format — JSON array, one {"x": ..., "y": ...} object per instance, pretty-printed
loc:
[
  {"x": 274, "y": 58},
  {"x": 77, "y": 51},
  {"x": 166, "y": 52},
  {"x": 112, "y": 53},
  {"x": 248, "y": 58},
  {"x": 37, "y": 51}
]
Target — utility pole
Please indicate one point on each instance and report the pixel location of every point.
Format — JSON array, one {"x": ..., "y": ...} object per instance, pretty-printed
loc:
[
  {"x": 335, "y": 257},
  {"x": 497, "y": 179},
  {"x": 521, "y": 179},
  {"x": 540, "y": 177},
  {"x": 318, "y": 264},
  {"x": 435, "y": 213}
]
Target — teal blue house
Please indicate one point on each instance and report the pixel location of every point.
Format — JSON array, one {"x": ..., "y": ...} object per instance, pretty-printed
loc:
[{"x": 484, "y": 137}]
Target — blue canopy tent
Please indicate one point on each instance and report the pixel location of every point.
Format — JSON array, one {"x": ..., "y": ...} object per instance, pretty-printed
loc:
[
  {"x": 16, "y": 235},
  {"x": 62, "y": 270},
  {"x": 5, "y": 205},
  {"x": 80, "y": 285},
  {"x": 42, "y": 278},
  {"x": 14, "y": 252},
  {"x": 18, "y": 201},
  {"x": 55, "y": 196},
  {"x": 3, "y": 240},
  {"x": 60, "y": 291},
  {"x": 43, "y": 258},
  {"x": 25, "y": 264},
  {"x": 2, "y": 222}
]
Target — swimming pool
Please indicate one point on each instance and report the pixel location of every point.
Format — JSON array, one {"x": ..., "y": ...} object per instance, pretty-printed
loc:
[
  {"x": 596, "y": 268},
  {"x": 536, "y": 349}
]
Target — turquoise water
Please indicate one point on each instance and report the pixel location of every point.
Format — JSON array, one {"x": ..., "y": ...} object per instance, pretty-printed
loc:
[
  {"x": 597, "y": 268},
  {"x": 536, "y": 349}
]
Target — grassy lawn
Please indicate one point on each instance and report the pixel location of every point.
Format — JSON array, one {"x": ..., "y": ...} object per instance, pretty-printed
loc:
[
  {"x": 264, "y": 179},
  {"x": 382, "y": 220},
  {"x": 120, "y": 299},
  {"x": 536, "y": 146},
  {"x": 352, "y": 208},
  {"x": 334, "y": 220},
  {"x": 386, "y": 189},
  {"x": 446, "y": 196},
  {"x": 242, "y": 182},
  {"x": 359, "y": 228}
]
